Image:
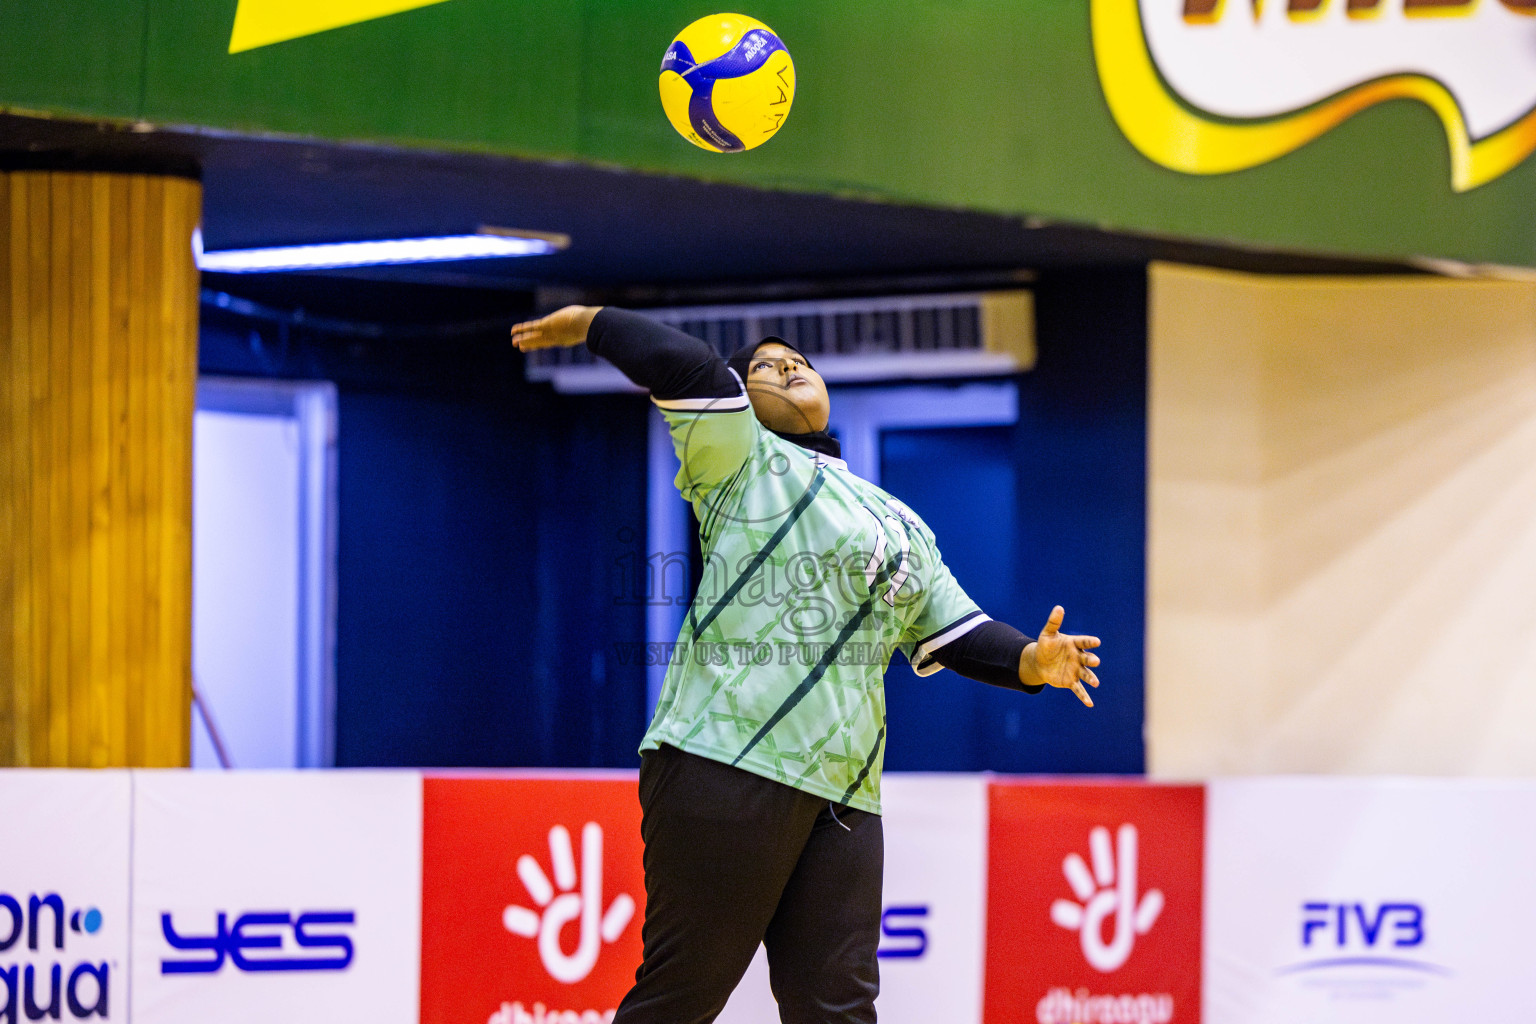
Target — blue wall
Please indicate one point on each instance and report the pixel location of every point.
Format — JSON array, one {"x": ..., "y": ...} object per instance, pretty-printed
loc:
[
  {"x": 476, "y": 578},
  {"x": 480, "y": 523},
  {"x": 1051, "y": 511}
]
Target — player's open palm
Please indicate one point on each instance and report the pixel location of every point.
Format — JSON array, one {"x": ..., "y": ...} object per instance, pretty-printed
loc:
[
  {"x": 563, "y": 328},
  {"x": 1060, "y": 659}
]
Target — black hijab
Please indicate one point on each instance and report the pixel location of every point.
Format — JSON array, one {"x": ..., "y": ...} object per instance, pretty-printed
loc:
[{"x": 816, "y": 441}]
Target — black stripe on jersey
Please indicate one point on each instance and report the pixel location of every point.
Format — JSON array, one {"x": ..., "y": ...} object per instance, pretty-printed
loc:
[
  {"x": 757, "y": 560},
  {"x": 869, "y": 762},
  {"x": 809, "y": 682},
  {"x": 820, "y": 669}
]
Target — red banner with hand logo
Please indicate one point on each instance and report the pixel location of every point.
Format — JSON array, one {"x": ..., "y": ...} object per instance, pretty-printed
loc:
[
  {"x": 1094, "y": 903},
  {"x": 532, "y": 897}
]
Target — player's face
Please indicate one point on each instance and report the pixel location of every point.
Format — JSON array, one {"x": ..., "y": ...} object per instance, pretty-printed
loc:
[{"x": 787, "y": 395}]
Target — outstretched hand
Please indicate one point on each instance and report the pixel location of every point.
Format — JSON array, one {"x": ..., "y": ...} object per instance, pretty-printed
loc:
[
  {"x": 563, "y": 328},
  {"x": 1060, "y": 659}
]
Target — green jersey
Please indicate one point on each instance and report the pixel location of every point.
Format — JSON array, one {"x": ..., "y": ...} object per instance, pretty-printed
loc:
[{"x": 812, "y": 578}]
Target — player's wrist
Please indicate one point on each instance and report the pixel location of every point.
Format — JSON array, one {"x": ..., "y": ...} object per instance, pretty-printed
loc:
[
  {"x": 1029, "y": 670},
  {"x": 581, "y": 322}
]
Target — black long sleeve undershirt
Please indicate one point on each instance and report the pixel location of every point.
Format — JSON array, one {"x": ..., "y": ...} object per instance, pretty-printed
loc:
[
  {"x": 990, "y": 654},
  {"x": 670, "y": 364},
  {"x": 665, "y": 361}
]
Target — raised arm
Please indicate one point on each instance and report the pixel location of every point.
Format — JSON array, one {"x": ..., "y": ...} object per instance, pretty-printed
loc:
[
  {"x": 666, "y": 362},
  {"x": 707, "y": 412}
]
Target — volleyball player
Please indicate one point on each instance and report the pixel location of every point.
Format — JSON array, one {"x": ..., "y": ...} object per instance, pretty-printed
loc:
[{"x": 760, "y": 773}]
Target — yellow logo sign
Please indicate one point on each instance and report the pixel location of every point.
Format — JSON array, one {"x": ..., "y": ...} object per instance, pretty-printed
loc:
[
  {"x": 1213, "y": 86},
  {"x": 262, "y": 22}
]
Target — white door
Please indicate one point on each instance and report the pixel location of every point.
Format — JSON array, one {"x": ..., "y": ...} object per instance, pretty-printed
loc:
[{"x": 263, "y": 573}]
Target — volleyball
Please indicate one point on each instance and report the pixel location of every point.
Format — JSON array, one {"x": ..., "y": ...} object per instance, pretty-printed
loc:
[{"x": 727, "y": 83}]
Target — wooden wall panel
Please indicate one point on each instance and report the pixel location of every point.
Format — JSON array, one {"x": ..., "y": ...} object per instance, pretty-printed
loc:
[
  {"x": 8, "y": 520},
  {"x": 1341, "y": 552},
  {"x": 98, "y": 356}
]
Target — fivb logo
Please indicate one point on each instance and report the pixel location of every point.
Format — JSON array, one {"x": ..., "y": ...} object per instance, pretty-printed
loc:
[
  {"x": 1108, "y": 893},
  {"x": 585, "y": 906},
  {"x": 1212, "y": 86},
  {"x": 1362, "y": 934}
]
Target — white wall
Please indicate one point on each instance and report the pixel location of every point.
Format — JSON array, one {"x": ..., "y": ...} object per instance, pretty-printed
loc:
[{"x": 1341, "y": 525}]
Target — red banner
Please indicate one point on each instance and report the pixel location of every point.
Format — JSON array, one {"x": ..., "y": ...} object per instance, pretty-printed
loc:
[
  {"x": 532, "y": 898},
  {"x": 1094, "y": 903}
]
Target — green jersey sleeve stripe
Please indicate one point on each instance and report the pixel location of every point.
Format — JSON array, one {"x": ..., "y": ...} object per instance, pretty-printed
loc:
[
  {"x": 757, "y": 560},
  {"x": 735, "y": 403},
  {"x": 922, "y": 654},
  {"x": 869, "y": 762},
  {"x": 810, "y": 681}
]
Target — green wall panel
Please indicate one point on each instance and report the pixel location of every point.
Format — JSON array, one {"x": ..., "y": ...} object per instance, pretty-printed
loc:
[
  {"x": 963, "y": 103},
  {"x": 475, "y": 74},
  {"x": 73, "y": 56}
]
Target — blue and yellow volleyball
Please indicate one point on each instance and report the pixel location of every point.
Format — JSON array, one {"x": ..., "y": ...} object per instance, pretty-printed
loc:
[{"x": 727, "y": 83}]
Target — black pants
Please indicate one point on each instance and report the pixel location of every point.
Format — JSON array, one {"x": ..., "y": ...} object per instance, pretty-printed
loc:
[{"x": 732, "y": 860}]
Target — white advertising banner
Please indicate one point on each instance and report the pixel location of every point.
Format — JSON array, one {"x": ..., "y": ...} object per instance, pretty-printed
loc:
[
  {"x": 933, "y": 926},
  {"x": 64, "y": 895},
  {"x": 276, "y": 896},
  {"x": 933, "y": 929},
  {"x": 1369, "y": 901}
]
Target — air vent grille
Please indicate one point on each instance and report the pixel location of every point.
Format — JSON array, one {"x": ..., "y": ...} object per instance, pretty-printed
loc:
[{"x": 886, "y": 338}]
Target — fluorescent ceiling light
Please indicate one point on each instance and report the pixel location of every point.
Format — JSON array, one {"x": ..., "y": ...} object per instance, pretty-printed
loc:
[{"x": 488, "y": 243}]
